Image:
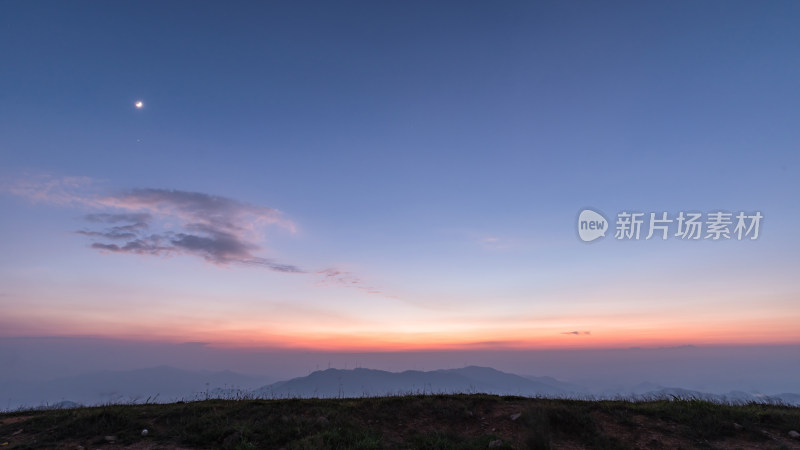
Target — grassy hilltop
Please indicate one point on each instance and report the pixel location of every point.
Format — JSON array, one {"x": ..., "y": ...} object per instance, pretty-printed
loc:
[{"x": 423, "y": 421}]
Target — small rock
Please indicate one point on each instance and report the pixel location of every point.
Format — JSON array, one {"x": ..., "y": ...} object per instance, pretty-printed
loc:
[
  {"x": 111, "y": 438},
  {"x": 496, "y": 443},
  {"x": 17, "y": 432},
  {"x": 794, "y": 434},
  {"x": 737, "y": 426},
  {"x": 515, "y": 416},
  {"x": 322, "y": 420},
  {"x": 144, "y": 432}
]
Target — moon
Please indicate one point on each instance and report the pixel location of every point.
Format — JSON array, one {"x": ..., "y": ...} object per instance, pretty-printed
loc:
[{"x": 139, "y": 104}]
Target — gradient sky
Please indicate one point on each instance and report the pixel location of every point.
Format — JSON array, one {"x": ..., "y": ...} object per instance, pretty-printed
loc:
[{"x": 381, "y": 176}]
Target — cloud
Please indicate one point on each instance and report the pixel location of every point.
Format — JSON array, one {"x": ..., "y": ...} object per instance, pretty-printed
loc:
[
  {"x": 578, "y": 333},
  {"x": 116, "y": 218},
  {"x": 197, "y": 344},
  {"x": 220, "y": 230},
  {"x": 493, "y": 242},
  {"x": 164, "y": 222},
  {"x": 43, "y": 188},
  {"x": 336, "y": 277},
  {"x": 139, "y": 223},
  {"x": 198, "y": 209}
]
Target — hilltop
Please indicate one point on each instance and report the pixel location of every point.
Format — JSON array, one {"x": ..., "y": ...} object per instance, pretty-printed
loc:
[
  {"x": 337, "y": 383},
  {"x": 422, "y": 421}
]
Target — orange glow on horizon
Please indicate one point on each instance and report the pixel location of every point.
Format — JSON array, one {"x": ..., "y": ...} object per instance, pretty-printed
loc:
[
  {"x": 305, "y": 330},
  {"x": 395, "y": 341}
]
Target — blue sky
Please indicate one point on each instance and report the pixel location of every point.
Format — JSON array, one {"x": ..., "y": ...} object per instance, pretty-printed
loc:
[{"x": 436, "y": 152}]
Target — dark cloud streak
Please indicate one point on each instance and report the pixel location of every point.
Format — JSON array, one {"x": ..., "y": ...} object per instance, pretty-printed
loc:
[
  {"x": 345, "y": 279},
  {"x": 116, "y": 218},
  {"x": 219, "y": 230}
]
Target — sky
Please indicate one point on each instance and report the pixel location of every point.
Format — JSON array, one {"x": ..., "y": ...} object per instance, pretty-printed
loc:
[{"x": 397, "y": 176}]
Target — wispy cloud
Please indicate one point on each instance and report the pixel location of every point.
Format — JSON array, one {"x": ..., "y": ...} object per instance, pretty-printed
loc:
[
  {"x": 336, "y": 277},
  {"x": 578, "y": 333},
  {"x": 493, "y": 242},
  {"x": 116, "y": 218},
  {"x": 131, "y": 225},
  {"x": 198, "y": 208},
  {"x": 164, "y": 222},
  {"x": 220, "y": 230},
  {"x": 42, "y": 188}
]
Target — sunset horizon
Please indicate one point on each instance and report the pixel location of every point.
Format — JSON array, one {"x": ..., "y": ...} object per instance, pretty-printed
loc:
[{"x": 602, "y": 193}]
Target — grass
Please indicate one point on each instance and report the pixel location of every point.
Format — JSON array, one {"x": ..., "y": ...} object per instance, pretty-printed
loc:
[{"x": 416, "y": 421}]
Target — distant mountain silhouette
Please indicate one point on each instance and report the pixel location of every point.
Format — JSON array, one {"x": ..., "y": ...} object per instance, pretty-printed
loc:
[
  {"x": 788, "y": 398},
  {"x": 332, "y": 383},
  {"x": 168, "y": 384},
  {"x": 368, "y": 382},
  {"x": 563, "y": 385},
  {"x": 162, "y": 383}
]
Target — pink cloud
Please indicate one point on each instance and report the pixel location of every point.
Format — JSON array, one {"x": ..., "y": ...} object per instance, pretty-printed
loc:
[{"x": 43, "y": 188}]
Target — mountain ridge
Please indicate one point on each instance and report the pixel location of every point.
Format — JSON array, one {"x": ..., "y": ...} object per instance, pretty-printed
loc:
[{"x": 165, "y": 384}]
